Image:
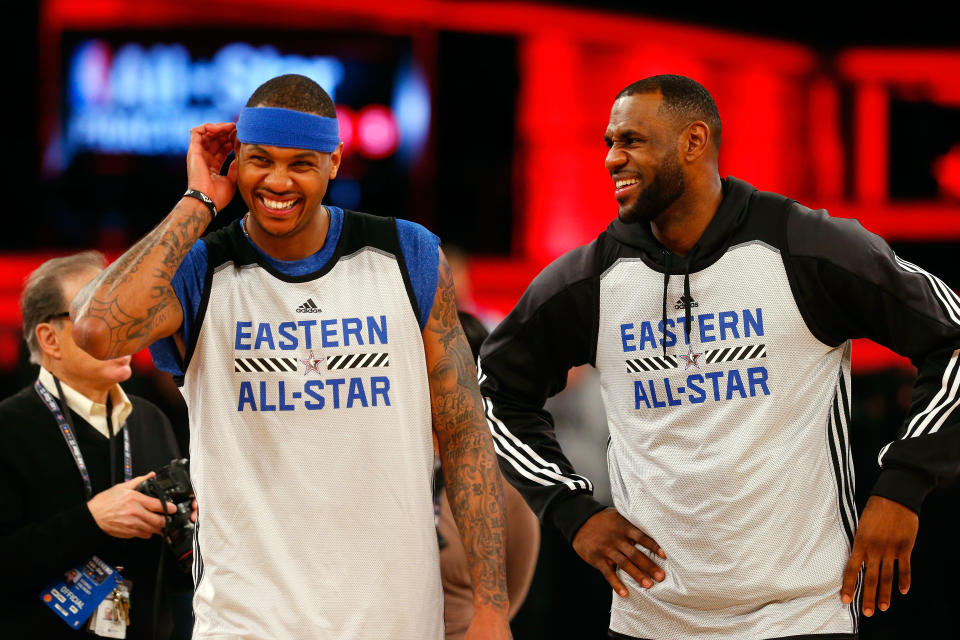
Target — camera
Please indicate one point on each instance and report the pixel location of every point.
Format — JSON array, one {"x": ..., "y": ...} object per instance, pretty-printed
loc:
[{"x": 172, "y": 484}]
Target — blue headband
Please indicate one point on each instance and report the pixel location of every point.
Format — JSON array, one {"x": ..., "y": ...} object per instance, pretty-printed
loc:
[{"x": 287, "y": 128}]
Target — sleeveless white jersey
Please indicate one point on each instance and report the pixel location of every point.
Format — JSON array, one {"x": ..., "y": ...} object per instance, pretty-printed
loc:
[{"x": 311, "y": 449}]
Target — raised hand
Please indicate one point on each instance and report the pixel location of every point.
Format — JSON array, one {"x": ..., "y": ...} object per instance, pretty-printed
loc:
[
  {"x": 210, "y": 144},
  {"x": 132, "y": 304},
  {"x": 607, "y": 541}
]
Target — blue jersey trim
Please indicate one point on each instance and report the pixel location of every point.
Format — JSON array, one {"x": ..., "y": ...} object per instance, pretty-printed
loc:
[
  {"x": 313, "y": 262},
  {"x": 420, "y": 252}
]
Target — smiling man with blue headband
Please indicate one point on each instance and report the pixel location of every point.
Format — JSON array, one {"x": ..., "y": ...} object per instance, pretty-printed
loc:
[{"x": 316, "y": 349}]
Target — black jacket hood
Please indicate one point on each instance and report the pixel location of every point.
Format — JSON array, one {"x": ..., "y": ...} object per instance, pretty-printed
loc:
[
  {"x": 715, "y": 240},
  {"x": 711, "y": 245}
]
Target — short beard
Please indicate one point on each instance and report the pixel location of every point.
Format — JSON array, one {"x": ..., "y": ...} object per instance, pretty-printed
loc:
[{"x": 666, "y": 188}]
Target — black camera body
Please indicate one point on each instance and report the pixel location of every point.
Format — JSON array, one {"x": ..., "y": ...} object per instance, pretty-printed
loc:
[{"x": 172, "y": 484}]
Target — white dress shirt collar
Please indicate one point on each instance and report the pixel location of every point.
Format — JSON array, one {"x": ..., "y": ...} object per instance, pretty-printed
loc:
[{"x": 94, "y": 413}]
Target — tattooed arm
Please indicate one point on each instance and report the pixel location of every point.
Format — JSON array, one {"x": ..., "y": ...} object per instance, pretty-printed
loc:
[
  {"x": 468, "y": 460},
  {"x": 132, "y": 304}
]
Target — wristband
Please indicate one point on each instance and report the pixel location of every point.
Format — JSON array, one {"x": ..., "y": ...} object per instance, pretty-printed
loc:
[{"x": 202, "y": 197}]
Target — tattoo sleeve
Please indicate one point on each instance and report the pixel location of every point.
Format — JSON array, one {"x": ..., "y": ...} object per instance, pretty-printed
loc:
[
  {"x": 466, "y": 447},
  {"x": 131, "y": 303}
]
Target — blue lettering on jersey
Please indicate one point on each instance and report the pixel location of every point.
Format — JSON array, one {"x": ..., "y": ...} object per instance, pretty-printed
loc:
[
  {"x": 381, "y": 388},
  {"x": 380, "y": 330},
  {"x": 246, "y": 396},
  {"x": 307, "y": 324},
  {"x": 335, "y": 393},
  {"x": 328, "y": 333},
  {"x": 264, "y": 405},
  {"x": 335, "y": 384},
  {"x": 352, "y": 327},
  {"x": 724, "y": 385},
  {"x": 735, "y": 383},
  {"x": 697, "y": 394},
  {"x": 708, "y": 327},
  {"x": 639, "y": 395},
  {"x": 626, "y": 337},
  {"x": 242, "y": 335},
  {"x": 301, "y": 334},
  {"x": 752, "y": 322},
  {"x": 356, "y": 393},
  {"x": 668, "y": 336},
  {"x": 728, "y": 322},
  {"x": 714, "y": 377},
  {"x": 283, "y": 404},
  {"x": 671, "y": 401},
  {"x": 758, "y": 378},
  {"x": 288, "y": 338},
  {"x": 646, "y": 336},
  {"x": 312, "y": 388},
  {"x": 653, "y": 395},
  {"x": 264, "y": 337},
  {"x": 310, "y": 394}
]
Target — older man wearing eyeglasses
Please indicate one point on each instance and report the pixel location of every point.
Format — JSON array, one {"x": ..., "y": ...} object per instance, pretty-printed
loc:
[{"x": 75, "y": 448}]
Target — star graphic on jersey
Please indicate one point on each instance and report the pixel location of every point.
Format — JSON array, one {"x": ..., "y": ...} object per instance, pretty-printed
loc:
[
  {"x": 312, "y": 364},
  {"x": 691, "y": 358}
]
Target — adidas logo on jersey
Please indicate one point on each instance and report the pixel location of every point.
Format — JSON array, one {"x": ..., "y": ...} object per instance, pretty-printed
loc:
[
  {"x": 308, "y": 307},
  {"x": 679, "y": 305}
]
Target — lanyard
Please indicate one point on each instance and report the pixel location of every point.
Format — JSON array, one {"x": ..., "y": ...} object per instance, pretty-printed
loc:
[{"x": 66, "y": 428}]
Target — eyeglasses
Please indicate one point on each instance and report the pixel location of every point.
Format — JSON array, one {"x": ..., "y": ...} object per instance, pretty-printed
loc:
[{"x": 56, "y": 316}]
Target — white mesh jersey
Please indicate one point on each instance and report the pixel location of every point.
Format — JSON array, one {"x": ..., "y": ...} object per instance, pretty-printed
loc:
[
  {"x": 311, "y": 449},
  {"x": 708, "y": 442}
]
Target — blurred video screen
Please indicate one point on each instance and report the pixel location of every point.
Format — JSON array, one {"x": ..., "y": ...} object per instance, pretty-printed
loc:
[{"x": 115, "y": 163}]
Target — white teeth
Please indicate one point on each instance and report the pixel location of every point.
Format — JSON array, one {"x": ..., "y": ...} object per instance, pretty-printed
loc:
[
  {"x": 274, "y": 204},
  {"x": 625, "y": 183}
]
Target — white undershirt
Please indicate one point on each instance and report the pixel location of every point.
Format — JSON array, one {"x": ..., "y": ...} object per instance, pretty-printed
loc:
[{"x": 94, "y": 413}]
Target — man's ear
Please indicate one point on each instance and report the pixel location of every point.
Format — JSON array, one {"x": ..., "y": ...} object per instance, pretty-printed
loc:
[
  {"x": 695, "y": 140},
  {"x": 48, "y": 340},
  {"x": 335, "y": 157}
]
